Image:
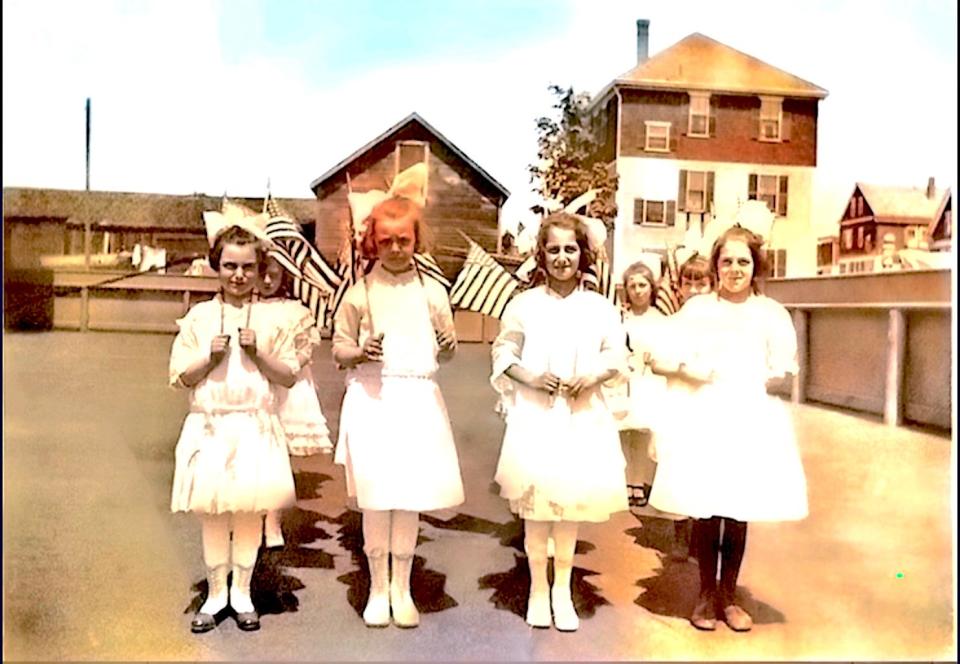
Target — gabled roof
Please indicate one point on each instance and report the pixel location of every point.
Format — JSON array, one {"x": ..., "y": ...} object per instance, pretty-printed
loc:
[
  {"x": 114, "y": 209},
  {"x": 903, "y": 205},
  {"x": 413, "y": 118},
  {"x": 698, "y": 62}
]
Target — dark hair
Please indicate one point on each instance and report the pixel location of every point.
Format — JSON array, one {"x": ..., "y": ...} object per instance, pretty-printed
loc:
[
  {"x": 695, "y": 268},
  {"x": 754, "y": 243},
  {"x": 394, "y": 208},
  {"x": 567, "y": 222},
  {"x": 642, "y": 269},
  {"x": 235, "y": 235},
  {"x": 285, "y": 290}
]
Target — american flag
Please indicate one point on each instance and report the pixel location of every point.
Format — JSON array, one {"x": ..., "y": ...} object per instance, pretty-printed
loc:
[
  {"x": 667, "y": 300},
  {"x": 314, "y": 281},
  {"x": 483, "y": 285}
]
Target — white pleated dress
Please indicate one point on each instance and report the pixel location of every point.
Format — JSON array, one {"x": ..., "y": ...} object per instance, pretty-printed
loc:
[
  {"x": 645, "y": 390},
  {"x": 395, "y": 441},
  {"x": 232, "y": 454},
  {"x": 561, "y": 458},
  {"x": 727, "y": 448}
]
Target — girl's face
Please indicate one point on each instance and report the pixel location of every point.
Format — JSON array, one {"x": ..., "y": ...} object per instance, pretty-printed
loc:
[
  {"x": 690, "y": 287},
  {"x": 562, "y": 254},
  {"x": 238, "y": 270},
  {"x": 396, "y": 241},
  {"x": 271, "y": 278},
  {"x": 735, "y": 267},
  {"x": 638, "y": 291}
]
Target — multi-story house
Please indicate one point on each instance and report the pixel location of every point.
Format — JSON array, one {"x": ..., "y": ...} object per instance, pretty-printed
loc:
[
  {"x": 696, "y": 130},
  {"x": 879, "y": 221}
]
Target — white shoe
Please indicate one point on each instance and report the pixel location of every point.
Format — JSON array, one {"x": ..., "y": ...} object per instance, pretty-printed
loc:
[
  {"x": 217, "y": 597},
  {"x": 564, "y": 615},
  {"x": 405, "y": 612},
  {"x": 377, "y": 611},
  {"x": 538, "y": 610}
]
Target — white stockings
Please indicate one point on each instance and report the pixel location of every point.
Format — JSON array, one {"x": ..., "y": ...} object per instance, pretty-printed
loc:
[
  {"x": 219, "y": 551},
  {"x": 390, "y": 534},
  {"x": 564, "y": 535}
]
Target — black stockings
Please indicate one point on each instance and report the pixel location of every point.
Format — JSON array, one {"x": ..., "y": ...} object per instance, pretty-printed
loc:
[{"x": 730, "y": 547}]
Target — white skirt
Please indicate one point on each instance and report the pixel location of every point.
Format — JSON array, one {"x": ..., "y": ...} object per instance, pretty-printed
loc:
[
  {"x": 561, "y": 462},
  {"x": 396, "y": 444},
  {"x": 728, "y": 451},
  {"x": 231, "y": 462},
  {"x": 302, "y": 419}
]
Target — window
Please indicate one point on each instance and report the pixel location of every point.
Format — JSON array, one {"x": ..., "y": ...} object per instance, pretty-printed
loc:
[
  {"x": 859, "y": 206},
  {"x": 408, "y": 153},
  {"x": 913, "y": 236},
  {"x": 776, "y": 263},
  {"x": 696, "y": 194},
  {"x": 699, "y": 115},
  {"x": 654, "y": 213},
  {"x": 657, "y": 137},
  {"x": 848, "y": 238},
  {"x": 772, "y": 189},
  {"x": 853, "y": 209},
  {"x": 771, "y": 111},
  {"x": 859, "y": 237}
]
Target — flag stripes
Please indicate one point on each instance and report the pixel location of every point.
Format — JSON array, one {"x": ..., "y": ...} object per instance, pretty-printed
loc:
[
  {"x": 428, "y": 266},
  {"x": 483, "y": 285},
  {"x": 667, "y": 300}
]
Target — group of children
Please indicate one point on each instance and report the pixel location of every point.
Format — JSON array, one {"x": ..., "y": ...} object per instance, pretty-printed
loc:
[{"x": 245, "y": 357}]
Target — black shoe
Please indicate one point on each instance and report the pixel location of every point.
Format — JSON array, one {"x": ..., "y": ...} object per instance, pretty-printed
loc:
[
  {"x": 248, "y": 621},
  {"x": 202, "y": 622}
]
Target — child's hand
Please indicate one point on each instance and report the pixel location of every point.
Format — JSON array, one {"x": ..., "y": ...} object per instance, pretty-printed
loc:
[
  {"x": 248, "y": 341},
  {"x": 580, "y": 384},
  {"x": 218, "y": 348},
  {"x": 546, "y": 382},
  {"x": 446, "y": 339},
  {"x": 373, "y": 348}
]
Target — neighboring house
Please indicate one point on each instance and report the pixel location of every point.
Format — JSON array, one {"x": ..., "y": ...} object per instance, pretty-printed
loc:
[
  {"x": 461, "y": 196},
  {"x": 698, "y": 129},
  {"x": 51, "y": 222},
  {"x": 911, "y": 218}
]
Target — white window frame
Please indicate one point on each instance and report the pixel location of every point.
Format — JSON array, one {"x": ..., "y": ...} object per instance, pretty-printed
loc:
[
  {"x": 699, "y": 107},
  {"x": 847, "y": 238},
  {"x": 763, "y": 195},
  {"x": 771, "y": 116},
  {"x": 777, "y": 271},
  {"x": 426, "y": 159},
  {"x": 689, "y": 207},
  {"x": 643, "y": 216},
  {"x": 663, "y": 127}
]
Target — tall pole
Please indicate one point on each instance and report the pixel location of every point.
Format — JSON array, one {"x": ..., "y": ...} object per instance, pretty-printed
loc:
[{"x": 88, "y": 143}]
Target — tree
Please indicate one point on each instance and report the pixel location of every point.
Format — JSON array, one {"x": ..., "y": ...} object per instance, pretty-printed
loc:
[{"x": 570, "y": 159}]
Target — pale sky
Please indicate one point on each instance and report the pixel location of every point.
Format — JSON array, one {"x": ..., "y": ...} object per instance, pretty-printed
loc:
[{"x": 215, "y": 97}]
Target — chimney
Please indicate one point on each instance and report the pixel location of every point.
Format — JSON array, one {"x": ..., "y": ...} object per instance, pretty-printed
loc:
[
  {"x": 931, "y": 188},
  {"x": 643, "y": 40}
]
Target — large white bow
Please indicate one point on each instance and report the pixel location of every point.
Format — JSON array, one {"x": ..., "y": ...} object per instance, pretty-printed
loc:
[
  {"x": 232, "y": 214},
  {"x": 409, "y": 184},
  {"x": 752, "y": 215}
]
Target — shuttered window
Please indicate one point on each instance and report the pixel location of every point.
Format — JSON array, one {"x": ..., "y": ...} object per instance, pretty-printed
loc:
[
  {"x": 654, "y": 213},
  {"x": 771, "y": 189},
  {"x": 699, "y": 125},
  {"x": 771, "y": 111},
  {"x": 657, "y": 136}
]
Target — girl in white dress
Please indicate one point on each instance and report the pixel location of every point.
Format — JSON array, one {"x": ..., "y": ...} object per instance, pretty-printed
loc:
[
  {"x": 395, "y": 439},
  {"x": 644, "y": 327},
  {"x": 737, "y": 459},
  {"x": 298, "y": 408},
  {"x": 561, "y": 461},
  {"x": 231, "y": 459}
]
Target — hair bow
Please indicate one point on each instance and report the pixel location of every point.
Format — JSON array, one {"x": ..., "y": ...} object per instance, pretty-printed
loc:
[
  {"x": 232, "y": 214},
  {"x": 409, "y": 184}
]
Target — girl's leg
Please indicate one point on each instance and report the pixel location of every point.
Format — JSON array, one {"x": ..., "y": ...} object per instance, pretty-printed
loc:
[
  {"x": 272, "y": 533},
  {"x": 376, "y": 546},
  {"x": 535, "y": 544},
  {"x": 215, "y": 532},
  {"x": 706, "y": 535},
  {"x": 247, "y": 534},
  {"x": 732, "y": 548},
  {"x": 403, "y": 541},
  {"x": 564, "y": 615}
]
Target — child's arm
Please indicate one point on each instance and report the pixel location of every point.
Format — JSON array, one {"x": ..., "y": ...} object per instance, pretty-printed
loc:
[
  {"x": 443, "y": 322},
  {"x": 347, "y": 351},
  {"x": 196, "y": 372}
]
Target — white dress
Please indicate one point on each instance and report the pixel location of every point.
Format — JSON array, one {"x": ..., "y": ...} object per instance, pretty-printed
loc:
[
  {"x": 232, "y": 454},
  {"x": 298, "y": 407},
  {"x": 727, "y": 448},
  {"x": 395, "y": 442},
  {"x": 560, "y": 458},
  {"x": 645, "y": 390}
]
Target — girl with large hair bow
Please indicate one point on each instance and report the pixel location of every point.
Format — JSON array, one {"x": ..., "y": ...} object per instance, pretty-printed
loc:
[{"x": 395, "y": 443}]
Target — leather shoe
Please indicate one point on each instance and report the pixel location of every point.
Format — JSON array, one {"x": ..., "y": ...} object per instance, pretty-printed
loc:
[
  {"x": 704, "y": 615},
  {"x": 737, "y": 619},
  {"x": 202, "y": 622},
  {"x": 248, "y": 621}
]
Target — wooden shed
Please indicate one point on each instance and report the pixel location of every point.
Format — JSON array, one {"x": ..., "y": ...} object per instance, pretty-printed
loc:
[{"x": 461, "y": 196}]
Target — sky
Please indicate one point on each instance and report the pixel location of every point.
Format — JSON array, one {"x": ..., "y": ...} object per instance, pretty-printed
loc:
[{"x": 220, "y": 97}]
